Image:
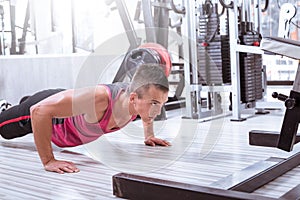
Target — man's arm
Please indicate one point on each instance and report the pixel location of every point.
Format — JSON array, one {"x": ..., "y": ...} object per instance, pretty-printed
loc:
[
  {"x": 43, "y": 144},
  {"x": 41, "y": 119},
  {"x": 61, "y": 105},
  {"x": 150, "y": 139}
]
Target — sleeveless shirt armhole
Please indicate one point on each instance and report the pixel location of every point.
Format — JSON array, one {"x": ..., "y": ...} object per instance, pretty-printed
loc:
[{"x": 108, "y": 109}]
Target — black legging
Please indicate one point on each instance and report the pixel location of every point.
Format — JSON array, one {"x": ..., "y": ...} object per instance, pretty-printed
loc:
[{"x": 15, "y": 122}]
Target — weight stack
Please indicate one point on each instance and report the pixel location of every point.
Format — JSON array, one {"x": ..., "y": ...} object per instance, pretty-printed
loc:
[
  {"x": 226, "y": 67},
  {"x": 214, "y": 61},
  {"x": 213, "y": 53},
  {"x": 251, "y": 70}
]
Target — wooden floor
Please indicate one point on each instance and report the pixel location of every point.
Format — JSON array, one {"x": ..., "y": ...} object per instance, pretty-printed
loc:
[{"x": 203, "y": 153}]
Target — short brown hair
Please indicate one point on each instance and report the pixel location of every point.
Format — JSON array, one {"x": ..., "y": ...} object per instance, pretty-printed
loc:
[{"x": 146, "y": 76}]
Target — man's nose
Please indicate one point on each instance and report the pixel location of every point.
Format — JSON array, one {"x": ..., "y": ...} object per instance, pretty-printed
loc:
[
  {"x": 159, "y": 110},
  {"x": 155, "y": 111}
]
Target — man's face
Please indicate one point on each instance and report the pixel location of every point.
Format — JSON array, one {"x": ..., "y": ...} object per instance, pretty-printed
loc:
[{"x": 149, "y": 106}]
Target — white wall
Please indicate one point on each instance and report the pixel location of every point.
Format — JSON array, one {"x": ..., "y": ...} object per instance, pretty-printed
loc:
[{"x": 25, "y": 75}]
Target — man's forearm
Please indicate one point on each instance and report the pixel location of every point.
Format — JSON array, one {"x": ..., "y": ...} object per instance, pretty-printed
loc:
[
  {"x": 44, "y": 148},
  {"x": 42, "y": 131}
]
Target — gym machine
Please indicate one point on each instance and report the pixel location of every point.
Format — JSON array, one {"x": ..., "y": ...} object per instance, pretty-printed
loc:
[
  {"x": 245, "y": 38},
  {"x": 207, "y": 61},
  {"x": 222, "y": 62},
  {"x": 285, "y": 47}
]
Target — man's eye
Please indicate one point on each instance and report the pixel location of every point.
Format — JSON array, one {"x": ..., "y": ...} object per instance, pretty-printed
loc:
[{"x": 154, "y": 104}]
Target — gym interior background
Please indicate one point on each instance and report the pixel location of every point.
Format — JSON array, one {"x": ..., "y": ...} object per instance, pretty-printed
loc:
[{"x": 222, "y": 82}]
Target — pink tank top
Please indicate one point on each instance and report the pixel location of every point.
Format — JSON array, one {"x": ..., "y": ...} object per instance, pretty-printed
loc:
[{"x": 74, "y": 131}]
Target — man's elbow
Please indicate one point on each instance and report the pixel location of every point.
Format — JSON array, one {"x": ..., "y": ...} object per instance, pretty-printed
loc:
[
  {"x": 38, "y": 111},
  {"x": 34, "y": 110}
]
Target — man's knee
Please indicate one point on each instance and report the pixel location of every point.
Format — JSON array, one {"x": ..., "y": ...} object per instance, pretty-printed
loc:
[
  {"x": 9, "y": 133},
  {"x": 6, "y": 136}
]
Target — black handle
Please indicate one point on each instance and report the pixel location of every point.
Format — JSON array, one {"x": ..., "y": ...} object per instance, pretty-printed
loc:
[
  {"x": 280, "y": 97},
  {"x": 288, "y": 102}
]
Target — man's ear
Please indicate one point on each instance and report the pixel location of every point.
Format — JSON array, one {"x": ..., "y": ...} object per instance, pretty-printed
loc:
[{"x": 132, "y": 97}]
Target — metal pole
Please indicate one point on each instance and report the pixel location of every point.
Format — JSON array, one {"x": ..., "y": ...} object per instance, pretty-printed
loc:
[
  {"x": 32, "y": 5},
  {"x": 235, "y": 63},
  {"x": 257, "y": 16},
  {"x": 162, "y": 20},
  {"x": 73, "y": 26},
  {"x": 13, "y": 27},
  {"x": 127, "y": 23},
  {"x": 190, "y": 59},
  {"x": 25, "y": 27},
  {"x": 2, "y": 30},
  {"x": 148, "y": 20}
]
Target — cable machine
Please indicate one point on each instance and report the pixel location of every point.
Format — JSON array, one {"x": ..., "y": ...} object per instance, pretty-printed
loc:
[
  {"x": 245, "y": 37},
  {"x": 217, "y": 62},
  {"x": 207, "y": 61}
]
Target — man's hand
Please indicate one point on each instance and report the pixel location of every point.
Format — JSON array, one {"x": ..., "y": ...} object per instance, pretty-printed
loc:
[
  {"x": 152, "y": 141},
  {"x": 60, "y": 166}
]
